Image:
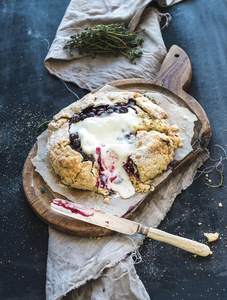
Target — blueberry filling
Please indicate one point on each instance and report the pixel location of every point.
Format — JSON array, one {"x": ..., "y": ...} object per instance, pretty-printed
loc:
[
  {"x": 75, "y": 118},
  {"x": 120, "y": 108},
  {"x": 102, "y": 181},
  {"x": 123, "y": 110},
  {"x": 74, "y": 136},
  {"x": 130, "y": 168},
  {"x": 173, "y": 164},
  {"x": 130, "y": 137},
  {"x": 76, "y": 145},
  {"x": 75, "y": 140}
]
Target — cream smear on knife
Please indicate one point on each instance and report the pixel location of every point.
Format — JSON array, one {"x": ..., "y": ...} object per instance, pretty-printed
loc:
[{"x": 111, "y": 140}]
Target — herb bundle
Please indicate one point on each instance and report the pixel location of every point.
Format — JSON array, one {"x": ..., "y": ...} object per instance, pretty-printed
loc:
[{"x": 112, "y": 39}]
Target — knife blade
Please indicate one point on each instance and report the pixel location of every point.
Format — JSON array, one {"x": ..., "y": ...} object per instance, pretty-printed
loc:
[{"x": 121, "y": 225}]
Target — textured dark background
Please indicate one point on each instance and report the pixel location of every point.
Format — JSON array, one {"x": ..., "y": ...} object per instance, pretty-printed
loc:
[{"x": 30, "y": 95}]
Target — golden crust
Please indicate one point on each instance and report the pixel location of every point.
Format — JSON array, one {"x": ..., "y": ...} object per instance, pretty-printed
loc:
[
  {"x": 104, "y": 98},
  {"x": 68, "y": 163},
  {"x": 155, "y": 143},
  {"x": 154, "y": 151}
]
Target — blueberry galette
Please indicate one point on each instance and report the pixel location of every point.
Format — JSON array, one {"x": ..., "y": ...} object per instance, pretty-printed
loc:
[{"x": 111, "y": 142}]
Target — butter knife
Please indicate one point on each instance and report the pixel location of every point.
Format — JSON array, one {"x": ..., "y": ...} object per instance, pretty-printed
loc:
[{"x": 100, "y": 218}]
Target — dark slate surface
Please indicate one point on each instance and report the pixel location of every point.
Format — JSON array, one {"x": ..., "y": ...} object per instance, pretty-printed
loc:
[{"x": 30, "y": 95}]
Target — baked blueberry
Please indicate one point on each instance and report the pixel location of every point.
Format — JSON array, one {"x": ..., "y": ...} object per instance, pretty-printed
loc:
[
  {"x": 123, "y": 109},
  {"x": 83, "y": 116},
  {"x": 75, "y": 118},
  {"x": 76, "y": 143},
  {"x": 91, "y": 114},
  {"x": 73, "y": 136}
]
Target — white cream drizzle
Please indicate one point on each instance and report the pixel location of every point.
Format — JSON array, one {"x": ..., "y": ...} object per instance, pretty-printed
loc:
[{"x": 106, "y": 135}]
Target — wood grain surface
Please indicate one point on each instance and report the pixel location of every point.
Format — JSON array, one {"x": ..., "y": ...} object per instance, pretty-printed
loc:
[{"x": 172, "y": 80}]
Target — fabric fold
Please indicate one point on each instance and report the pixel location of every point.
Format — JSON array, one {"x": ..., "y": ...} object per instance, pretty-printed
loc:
[
  {"x": 128, "y": 286},
  {"x": 79, "y": 264},
  {"x": 165, "y": 3}
]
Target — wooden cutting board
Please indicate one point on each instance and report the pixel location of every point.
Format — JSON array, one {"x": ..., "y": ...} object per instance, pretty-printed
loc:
[{"x": 172, "y": 81}]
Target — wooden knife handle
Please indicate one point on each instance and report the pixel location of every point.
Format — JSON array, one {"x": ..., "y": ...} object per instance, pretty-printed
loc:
[{"x": 180, "y": 242}]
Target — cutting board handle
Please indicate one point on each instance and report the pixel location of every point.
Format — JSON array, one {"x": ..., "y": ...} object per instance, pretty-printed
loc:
[
  {"x": 176, "y": 71},
  {"x": 175, "y": 75}
]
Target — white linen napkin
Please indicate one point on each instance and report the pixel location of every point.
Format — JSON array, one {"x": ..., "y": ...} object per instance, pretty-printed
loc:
[
  {"x": 91, "y": 73},
  {"x": 103, "y": 268},
  {"x": 165, "y": 3}
]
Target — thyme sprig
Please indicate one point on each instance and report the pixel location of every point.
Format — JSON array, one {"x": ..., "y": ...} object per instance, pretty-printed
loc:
[
  {"x": 219, "y": 184},
  {"x": 40, "y": 126},
  {"x": 112, "y": 39}
]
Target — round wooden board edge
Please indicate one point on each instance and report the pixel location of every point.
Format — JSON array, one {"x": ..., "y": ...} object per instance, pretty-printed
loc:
[
  {"x": 72, "y": 226},
  {"x": 42, "y": 209}
]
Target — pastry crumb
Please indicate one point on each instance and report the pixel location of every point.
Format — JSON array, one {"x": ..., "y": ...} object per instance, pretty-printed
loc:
[
  {"x": 106, "y": 200},
  {"x": 212, "y": 236},
  {"x": 151, "y": 188},
  {"x": 174, "y": 127},
  {"x": 220, "y": 204},
  {"x": 200, "y": 224}
]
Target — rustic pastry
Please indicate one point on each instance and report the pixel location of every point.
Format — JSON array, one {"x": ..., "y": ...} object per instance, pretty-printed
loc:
[{"x": 111, "y": 142}]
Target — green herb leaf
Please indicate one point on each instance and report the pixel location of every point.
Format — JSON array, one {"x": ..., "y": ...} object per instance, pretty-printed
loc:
[
  {"x": 218, "y": 185},
  {"x": 42, "y": 190},
  {"x": 43, "y": 124},
  {"x": 112, "y": 39}
]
